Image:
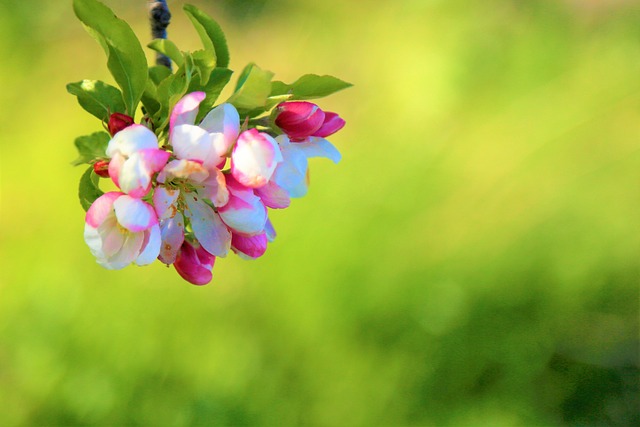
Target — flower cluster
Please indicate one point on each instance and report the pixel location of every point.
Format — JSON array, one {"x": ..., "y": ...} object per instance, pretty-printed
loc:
[
  {"x": 195, "y": 178},
  {"x": 207, "y": 190}
]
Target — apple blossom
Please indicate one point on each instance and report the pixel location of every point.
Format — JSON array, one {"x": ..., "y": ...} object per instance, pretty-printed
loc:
[
  {"x": 120, "y": 229},
  {"x": 135, "y": 157}
]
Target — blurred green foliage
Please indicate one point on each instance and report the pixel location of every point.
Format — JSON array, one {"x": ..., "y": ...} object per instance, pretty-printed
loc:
[{"x": 474, "y": 260}]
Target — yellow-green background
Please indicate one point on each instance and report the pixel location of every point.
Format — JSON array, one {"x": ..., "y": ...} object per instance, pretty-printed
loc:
[{"x": 473, "y": 260}]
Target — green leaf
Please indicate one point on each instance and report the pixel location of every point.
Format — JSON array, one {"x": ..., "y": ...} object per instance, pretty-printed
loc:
[
  {"x": 204, "y": 61},
  {"x": 309, "y": 86},
  {"x": 254, "y": 86},
  {"x": 91, "y": 147},
  {"x": 158, "y": 73},
  {"x": 125, "y": 58},
  {"x": 167, "y": 48},
  {"x": 211, "y": 34},
  {"x": 98, "y": 98},
  {"x": 218, "y": 80},
  {"x": 88, "y": 190}
]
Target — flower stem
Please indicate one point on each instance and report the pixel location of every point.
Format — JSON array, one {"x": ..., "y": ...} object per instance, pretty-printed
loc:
[{"x": 159, "y": 18}]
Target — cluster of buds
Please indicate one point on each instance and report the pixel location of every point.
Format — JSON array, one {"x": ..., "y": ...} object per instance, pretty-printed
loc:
[{"x": 206, "y": 189}]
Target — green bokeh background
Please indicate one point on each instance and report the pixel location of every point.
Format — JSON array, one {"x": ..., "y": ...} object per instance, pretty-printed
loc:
[{"x": 473, "y": 260}]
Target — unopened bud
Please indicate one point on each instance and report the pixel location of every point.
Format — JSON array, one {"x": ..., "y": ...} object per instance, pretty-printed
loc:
[
  {"x": 119, "y": 121},
  {"x": 101, "y": 168},
  {"x": 332, "y": 124},
  {"x": 299, "y": 119},
  {"x": 194, "y": 263}
]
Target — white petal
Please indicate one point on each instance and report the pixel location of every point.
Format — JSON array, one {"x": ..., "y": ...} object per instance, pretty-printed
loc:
[
  {"x": 210, "y": 231},
  {"x": 223, "y": 119},
  {"x": 319, "y": 147},
  {"x": 164, "y": 202},
  {"x": 134, "y": 214},
  {"x": 246, "y": 215},
  {"x": 291, "y": 173},
  {"x": 127, "y": 254},
  {"x": 172, "y": 233},
  {"x": 152, "y": 249},
  {"x": 132, "y": 139},
  {"x": 194, "y": 143}
]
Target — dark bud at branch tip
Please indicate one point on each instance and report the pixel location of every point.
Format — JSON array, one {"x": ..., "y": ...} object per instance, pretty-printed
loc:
[
  {"x": 119, "y": 121},
  {"x": 101, "y": 168}
]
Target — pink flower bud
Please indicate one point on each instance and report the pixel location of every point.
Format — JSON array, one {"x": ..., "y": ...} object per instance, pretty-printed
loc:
[
  {"x": 101, "y": 168},
  {"x": 249, "y": 246},
  {"x": 299, "y": 119},
  {"x": 332, "y": 124},
  {"x": 194, "y": 264},
  {"x": 119, "y": 121}
]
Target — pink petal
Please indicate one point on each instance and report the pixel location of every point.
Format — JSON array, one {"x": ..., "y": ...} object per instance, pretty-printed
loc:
[
  {"x": 135, "y": 175},
  {"x": 245, "y": 214},
  {"x": 252, "y": 247},
  {"x": 254, "y": 158},
  {"x": 186, "y": 110},
  {"x": 273, "y": 196},
  {"x": 101, "y": 208},
  {"x": 215, "y": 188},
  {"x": 332, "y": 124},
  {"x": 134, "y": 214},
  {"x": 132, "y": 139},
  {"x": 299, "y": 119},
  {"x": 115, "y": 166}
]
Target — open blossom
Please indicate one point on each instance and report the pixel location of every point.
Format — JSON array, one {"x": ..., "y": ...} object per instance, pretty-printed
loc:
[
  {"x": 135, "y": 157},
  {"x": 208, "y": 142},
  {"x": 120, "y": 230}
]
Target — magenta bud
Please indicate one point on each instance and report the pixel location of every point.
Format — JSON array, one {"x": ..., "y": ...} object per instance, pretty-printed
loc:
[
  {"x": 332, "y": 124},
  {"x": 249, "y": 246},
  {"x": 118, "y": 121},
  {"x": 299, "y": 119},
  {"x": 101, "y": 168},
  {"x": 194, "y": 264}
]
